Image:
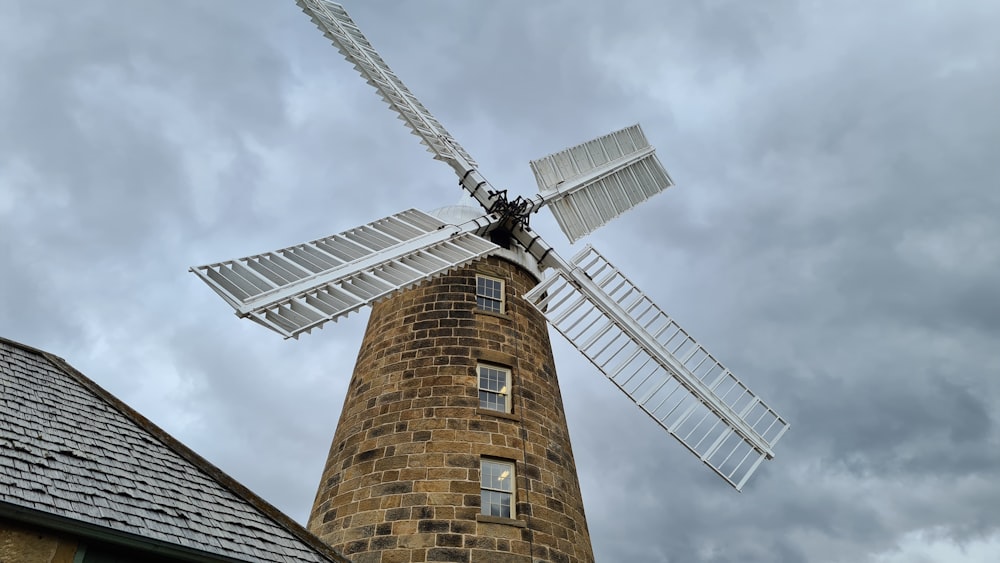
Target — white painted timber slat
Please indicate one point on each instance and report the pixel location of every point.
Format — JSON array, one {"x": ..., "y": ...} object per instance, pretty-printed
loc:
[
  {"x": 590, "y": 184},
  {"x": 286, "y": 290},
  {"x": 671, "y": 377},
  {"x": 334, "y": 22}
]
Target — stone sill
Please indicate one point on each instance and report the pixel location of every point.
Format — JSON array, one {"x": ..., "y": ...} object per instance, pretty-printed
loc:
[
  {"x": 499, "y": 414},
  {"x": 492, "y": 314},
  {"x": 501, "y": 520}
]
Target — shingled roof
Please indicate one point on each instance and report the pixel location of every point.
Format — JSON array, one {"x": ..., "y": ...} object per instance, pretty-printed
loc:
[{"x": 74, "y": 456}]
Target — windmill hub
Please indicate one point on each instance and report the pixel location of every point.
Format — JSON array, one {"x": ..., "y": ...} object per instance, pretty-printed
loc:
[{"x": 513, "y": 212}]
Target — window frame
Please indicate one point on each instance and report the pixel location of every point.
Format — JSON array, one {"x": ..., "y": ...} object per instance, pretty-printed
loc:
[
  {"x": 504, "y": 391},
  {"x": 482, "y": 298},
  {"x": 486, "y": 508}
]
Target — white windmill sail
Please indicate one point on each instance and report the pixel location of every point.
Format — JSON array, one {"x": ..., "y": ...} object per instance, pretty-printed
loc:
[
  {"x": 635, "y": 344},
  {"x": 659, "y": 366},
  {"x": 334, "y": 22},
  {"x": 590, "y": 184},
  {"x": 298, "y": 288}
]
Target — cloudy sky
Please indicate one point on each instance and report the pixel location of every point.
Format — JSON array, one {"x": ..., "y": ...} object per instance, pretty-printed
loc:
[{"x": 833, "y": 235}]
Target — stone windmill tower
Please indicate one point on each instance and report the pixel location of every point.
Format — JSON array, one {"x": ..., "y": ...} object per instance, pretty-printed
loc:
[{"x": 452, "y": 444}]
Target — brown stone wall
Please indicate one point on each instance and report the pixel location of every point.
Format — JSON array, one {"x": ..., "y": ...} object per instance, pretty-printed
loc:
[
  {"x": 22, "y": 544},
  {"x": 401, "y": 482}
]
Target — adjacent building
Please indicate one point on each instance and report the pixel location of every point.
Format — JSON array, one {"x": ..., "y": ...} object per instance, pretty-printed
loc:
[{"x": 86, "y": 479}]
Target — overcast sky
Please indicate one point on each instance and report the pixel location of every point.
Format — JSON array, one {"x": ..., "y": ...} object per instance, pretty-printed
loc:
[{"x": 832, "y": 238}]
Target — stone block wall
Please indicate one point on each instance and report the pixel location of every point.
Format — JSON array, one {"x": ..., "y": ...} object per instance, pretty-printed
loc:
[
  {"x": 24, "y": 544},
  {"x": 402, "y": 481}
]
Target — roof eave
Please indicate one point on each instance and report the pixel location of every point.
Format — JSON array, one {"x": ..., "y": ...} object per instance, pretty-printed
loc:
[{"x": 94, "y": 532}]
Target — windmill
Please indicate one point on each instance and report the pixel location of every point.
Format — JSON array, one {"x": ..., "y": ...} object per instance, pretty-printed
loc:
[{"x": 417, "y": 260}]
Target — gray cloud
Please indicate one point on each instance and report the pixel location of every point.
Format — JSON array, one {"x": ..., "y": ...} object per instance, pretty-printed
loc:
[{"x": 832, "y": 237}]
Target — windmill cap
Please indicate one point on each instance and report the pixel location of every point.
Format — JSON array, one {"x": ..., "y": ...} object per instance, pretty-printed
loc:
[{"x": 457, "y": 214}]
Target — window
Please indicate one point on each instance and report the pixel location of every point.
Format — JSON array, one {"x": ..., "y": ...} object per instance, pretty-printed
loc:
[
  {"x": 494, "y": 388},
  {"x": 497, "y": 488},
  {"x": 489, "y": 294}
]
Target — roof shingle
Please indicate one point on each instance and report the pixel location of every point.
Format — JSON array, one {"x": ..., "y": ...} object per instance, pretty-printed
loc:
[{"x": 70, "y": 449}]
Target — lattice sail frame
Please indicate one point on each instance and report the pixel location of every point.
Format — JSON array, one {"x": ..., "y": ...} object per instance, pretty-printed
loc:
[
  {"x": 641, "y": 349},
  {"x": 647, "y": 355},
  {"x": 337, "y": 25},
  {"x": 592, "y": 183},
  {"x": 299, "y": 288}
]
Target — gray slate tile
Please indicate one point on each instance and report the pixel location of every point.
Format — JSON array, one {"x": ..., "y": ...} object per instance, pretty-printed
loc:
[{"x": 69, "y": 448}]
